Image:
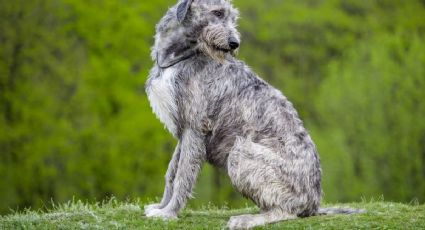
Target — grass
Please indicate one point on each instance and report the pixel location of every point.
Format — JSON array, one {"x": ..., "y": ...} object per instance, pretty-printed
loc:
[{"x": 114, "y": 214}]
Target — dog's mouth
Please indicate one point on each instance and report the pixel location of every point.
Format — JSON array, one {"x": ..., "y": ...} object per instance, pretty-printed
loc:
[
  {"x": 216, "y": 51},
  {"x": 222, "y": 49}
]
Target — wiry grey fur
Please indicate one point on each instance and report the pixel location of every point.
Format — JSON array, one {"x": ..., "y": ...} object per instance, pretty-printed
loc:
[{"x": 223, "y": 113}]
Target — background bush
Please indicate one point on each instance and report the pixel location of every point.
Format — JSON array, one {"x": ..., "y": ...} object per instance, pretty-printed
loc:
[{"x": 75, "y": 121}]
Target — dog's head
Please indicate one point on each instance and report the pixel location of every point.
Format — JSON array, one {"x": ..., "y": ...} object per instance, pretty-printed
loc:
[{"x": 208, "y": 26}]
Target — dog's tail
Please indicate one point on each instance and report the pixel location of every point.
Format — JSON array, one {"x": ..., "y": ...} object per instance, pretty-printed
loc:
[{"x": 339, "y": 210}]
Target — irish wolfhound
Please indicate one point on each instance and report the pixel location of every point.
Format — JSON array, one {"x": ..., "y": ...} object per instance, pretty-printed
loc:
[{"x": 223, "y": 113}]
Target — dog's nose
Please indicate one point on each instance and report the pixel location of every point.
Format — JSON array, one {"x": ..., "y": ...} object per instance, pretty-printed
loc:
[{"x": 233, "y": 43}]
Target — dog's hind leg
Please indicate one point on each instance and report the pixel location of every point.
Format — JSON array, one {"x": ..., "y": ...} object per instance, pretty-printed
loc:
[{"x": 256, "y": 172}]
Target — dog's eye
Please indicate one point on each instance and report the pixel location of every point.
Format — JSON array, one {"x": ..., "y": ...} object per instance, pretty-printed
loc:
[{"x": 218, "y": 13}]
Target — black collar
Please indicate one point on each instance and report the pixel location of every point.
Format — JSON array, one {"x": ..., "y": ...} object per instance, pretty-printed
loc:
[{"x": 173, "y": 63}]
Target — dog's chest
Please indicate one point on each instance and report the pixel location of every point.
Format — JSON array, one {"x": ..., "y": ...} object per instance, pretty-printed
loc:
[{"x": 161, "y": 94}]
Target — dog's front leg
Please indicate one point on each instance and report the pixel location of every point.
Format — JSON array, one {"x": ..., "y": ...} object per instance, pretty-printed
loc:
[
  {"x": 169, "y": 179},
  {"x": 192, "y": 155}
]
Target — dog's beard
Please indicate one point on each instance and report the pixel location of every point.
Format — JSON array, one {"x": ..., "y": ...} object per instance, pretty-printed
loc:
[{"x": 216, "y": 53}]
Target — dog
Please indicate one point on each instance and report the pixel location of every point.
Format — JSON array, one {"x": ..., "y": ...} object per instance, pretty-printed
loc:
[{"x": 221, "y": 112}]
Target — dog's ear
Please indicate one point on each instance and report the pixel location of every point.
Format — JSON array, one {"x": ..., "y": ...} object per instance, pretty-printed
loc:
[{"x": 182, "y": 10}]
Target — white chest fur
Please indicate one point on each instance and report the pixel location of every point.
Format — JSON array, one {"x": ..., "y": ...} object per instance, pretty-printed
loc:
[{"x": 162, "y": 98}]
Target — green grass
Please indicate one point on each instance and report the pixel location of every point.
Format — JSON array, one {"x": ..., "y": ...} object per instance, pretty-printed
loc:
[{"x": 129, "y": 215}]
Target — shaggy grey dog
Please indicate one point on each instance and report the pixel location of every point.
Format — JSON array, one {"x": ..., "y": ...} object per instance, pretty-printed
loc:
[{"x": 223, "y": 113}]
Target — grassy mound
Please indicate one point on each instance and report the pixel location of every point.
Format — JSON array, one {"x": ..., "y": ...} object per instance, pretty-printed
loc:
[{"x": 114, "y": 214}]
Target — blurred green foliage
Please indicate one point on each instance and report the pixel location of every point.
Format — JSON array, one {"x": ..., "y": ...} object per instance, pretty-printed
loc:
[{"x": 75, "y": 120}]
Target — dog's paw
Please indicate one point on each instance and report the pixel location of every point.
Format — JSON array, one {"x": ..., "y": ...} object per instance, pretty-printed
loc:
[
  {"x": 241, "y": 222},
  {"x": 161, "y": 213},
  {"x": 150, "y": 207}
]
